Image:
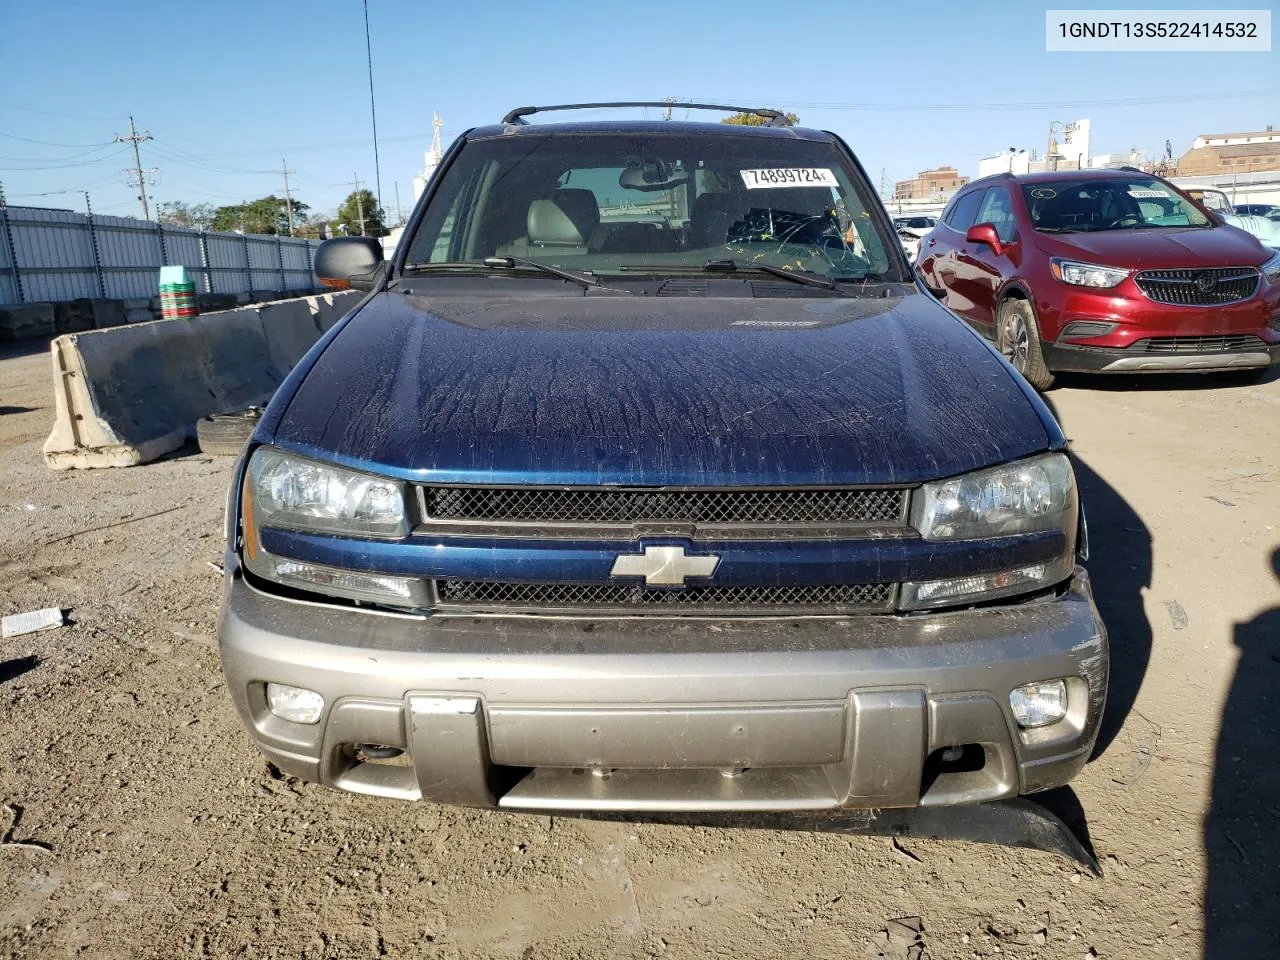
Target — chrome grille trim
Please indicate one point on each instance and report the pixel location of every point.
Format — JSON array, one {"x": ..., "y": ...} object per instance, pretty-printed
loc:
[
  {"x": 626, "y": 598},
  {"x": 629, "y": 506},
  {"x": 1180, "y": 287}
]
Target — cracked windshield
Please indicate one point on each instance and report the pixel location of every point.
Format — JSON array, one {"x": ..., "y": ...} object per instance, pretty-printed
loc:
[{"x": 654, "y": 205}]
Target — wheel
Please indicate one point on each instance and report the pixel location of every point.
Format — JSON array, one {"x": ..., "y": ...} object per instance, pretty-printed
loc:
[
  {"x": 1018, "y": 336},
  {"x": 1240, "y": 377},
  {"x": 225, "y": 434}
]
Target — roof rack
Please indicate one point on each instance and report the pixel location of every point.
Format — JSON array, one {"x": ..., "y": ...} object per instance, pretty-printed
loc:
[{"x": 776, "y": 118}]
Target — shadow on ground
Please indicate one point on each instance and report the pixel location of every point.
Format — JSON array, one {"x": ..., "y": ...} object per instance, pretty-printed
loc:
[
  {"x": 1242, "y": 830},
  {"x": 1120, "y": 567},
  {"x": 12, "y": 669}
]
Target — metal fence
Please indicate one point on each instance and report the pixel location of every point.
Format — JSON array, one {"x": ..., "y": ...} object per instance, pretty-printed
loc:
[{"x": 52, "y": 255}]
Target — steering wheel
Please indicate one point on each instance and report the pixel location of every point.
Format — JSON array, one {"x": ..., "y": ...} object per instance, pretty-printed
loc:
[{"x": 1122, "y": 219}]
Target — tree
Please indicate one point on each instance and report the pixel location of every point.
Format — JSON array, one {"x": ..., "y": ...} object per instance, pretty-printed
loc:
[
  {"x": 361, "y": 205},
  {"x": 755, "y": 120},
  {"x": 175, "y": 213},
  {"x": 264, "y": 215}
]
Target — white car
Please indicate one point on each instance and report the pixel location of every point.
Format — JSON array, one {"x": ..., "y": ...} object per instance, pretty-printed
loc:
[
  {"x": 910, "y": 243},
  {"x": 1216, "y": 201},
  {"x": 916, "y": 225}
]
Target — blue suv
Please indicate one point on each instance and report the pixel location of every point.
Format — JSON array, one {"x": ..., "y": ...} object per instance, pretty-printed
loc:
[{"x": 646, "y": 477}]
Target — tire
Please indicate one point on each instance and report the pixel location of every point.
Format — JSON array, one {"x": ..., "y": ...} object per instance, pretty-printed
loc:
[
  {"x": 1018, "y": 337},
  {"x": 1239, "y": 378},
  {"x": 225, "y": 434}
]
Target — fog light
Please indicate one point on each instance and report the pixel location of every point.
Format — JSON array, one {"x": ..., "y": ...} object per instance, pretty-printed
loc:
[
  {"x": 1039, "y": 704},
  {"x": 294, "y": 703}
]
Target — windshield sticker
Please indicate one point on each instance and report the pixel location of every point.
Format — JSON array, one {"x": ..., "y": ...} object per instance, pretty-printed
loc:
[
  {"x": 1149, "y": 194},
  {"x": 1044, "y": 193},
  {"x": 788, "y": 177}
]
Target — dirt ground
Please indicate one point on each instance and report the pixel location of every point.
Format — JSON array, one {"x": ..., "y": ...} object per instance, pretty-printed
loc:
[{"x": 149, "y": 827}]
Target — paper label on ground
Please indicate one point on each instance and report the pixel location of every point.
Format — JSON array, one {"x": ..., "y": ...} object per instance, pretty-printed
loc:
[{"x": 17, "y": 624}]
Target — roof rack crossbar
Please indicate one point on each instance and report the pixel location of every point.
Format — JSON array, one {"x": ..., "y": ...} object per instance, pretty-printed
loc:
[{"x": 776, "y": 118}]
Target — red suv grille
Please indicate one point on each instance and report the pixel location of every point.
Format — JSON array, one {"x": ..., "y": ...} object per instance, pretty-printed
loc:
[{"x": 1217, "y": 285}]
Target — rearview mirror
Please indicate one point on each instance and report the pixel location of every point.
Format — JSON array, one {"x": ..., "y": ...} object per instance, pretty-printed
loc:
[
  {"x": 984, "y": 233},
  {"x": 349, "y": 263}
]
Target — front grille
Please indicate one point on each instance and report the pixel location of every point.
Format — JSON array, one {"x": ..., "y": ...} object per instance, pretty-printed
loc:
[
  {"x": 1208, "y": 287},
  {"x": 1227, "y": 343},
  {"x": 632, "y": 598},
  {"x": 594, "y": 505}
]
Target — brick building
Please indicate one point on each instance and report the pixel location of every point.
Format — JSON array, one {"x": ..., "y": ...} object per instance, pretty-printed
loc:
[
  {"x": 1248, "y": 152},
  {"x": 929, "y": 184}
]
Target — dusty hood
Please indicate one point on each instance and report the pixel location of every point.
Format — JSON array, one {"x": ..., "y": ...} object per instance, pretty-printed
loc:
[{"x": 649, "y": 390}]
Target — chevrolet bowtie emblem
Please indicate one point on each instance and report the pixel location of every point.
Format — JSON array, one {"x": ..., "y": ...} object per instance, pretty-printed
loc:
[{"x": 664, "y": 566}]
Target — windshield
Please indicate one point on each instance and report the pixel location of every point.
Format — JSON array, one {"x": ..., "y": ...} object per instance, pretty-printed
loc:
[
  {"x": 637, "y": 204},
  {"x": 1130, "y": 203}
]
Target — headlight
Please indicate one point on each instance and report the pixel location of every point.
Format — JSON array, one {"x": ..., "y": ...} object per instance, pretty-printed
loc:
[
  {"x": 1271, "y": 269},
  {"x": 296, "y": 494},
  {"x": 1086, "y": 274},
  {"x": 287, "y": 492},
  {"x": 1028, "y": 496}
]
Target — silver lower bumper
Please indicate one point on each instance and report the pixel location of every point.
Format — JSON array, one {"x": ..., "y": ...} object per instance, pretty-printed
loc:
[
  {"x": 1150, "y": 363},
  {"x": 670, "y": 714}
]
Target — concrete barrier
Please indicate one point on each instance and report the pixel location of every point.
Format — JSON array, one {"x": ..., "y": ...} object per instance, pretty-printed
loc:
[
  {"x": 127, "y": 395},
  {"x": 28, "y": 320}
]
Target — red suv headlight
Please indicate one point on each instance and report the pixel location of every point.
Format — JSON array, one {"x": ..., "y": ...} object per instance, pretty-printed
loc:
[{"x": 1086, "y": 274}]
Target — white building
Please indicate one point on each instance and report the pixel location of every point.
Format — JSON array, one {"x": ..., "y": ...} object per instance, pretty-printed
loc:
[
  {"x": 431, "y": 160},
  {"x": 1234, "y": 139}
]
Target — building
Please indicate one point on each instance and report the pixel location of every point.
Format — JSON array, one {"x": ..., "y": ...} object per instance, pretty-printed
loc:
[
  {"x": 930, "y": 184},
  {"x": 1213, "y": 153},
  {"x": 430, "y": 160}
]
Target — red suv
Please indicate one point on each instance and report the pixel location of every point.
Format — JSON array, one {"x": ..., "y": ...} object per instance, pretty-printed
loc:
[{"x": 1112, "y": 271}]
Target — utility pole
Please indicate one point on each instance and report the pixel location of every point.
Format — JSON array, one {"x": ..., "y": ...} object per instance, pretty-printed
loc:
[
  {"x": 288, "y": 201},
  {"x": 355, "y": 182},
  {"x": 884, "y": 182},
  {"x": 136, "y": 138},
  {"x": 669, "y": 101},
  {"x": 399, "y": 213}
]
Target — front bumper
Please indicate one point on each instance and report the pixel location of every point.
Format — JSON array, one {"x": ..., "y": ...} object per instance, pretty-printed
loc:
[
  {"x": 1067, "y": 358},
  {"x": 670, "y": 714}
]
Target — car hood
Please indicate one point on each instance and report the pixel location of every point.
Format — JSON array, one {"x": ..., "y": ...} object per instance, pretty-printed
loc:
[
  {"x": 661, "y": 391},
  {"x": 1176, "y": 248}
]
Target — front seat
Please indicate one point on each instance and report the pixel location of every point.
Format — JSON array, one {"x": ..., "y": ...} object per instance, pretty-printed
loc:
[
  {"x": 564, "y": 224},
  {"x": 711, "y": 217}
]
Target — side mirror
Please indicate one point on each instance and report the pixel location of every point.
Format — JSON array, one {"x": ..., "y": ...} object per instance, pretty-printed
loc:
[
  {"x": 349, "y": 263},
  {"x": 984, "y": 233}
]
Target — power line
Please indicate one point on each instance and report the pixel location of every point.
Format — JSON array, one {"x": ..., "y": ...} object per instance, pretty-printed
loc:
[
  {"x": 136, "y": 138},
  {"x": 1020, "y": 105},
  {"x": 63, "y": 166},
  {"x": 51, "y": 113},
  {"x": 373, "y": 112}
]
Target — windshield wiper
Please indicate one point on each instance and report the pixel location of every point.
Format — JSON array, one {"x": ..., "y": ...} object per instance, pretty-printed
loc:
[
  {"x": 508, "y": 263},
  {"x": 730, "y": 264},
  {"x": 585, "y": 279}
]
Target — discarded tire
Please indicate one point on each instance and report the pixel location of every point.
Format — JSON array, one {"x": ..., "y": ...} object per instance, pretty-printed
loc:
[{"x": 225, "y": 434}]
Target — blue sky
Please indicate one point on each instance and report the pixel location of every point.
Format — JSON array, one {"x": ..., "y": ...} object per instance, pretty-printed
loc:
[{"x": 229, "y": 88}]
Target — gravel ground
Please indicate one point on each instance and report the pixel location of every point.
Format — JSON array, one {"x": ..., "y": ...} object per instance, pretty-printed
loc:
[{"x": 149, "y": 827}]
